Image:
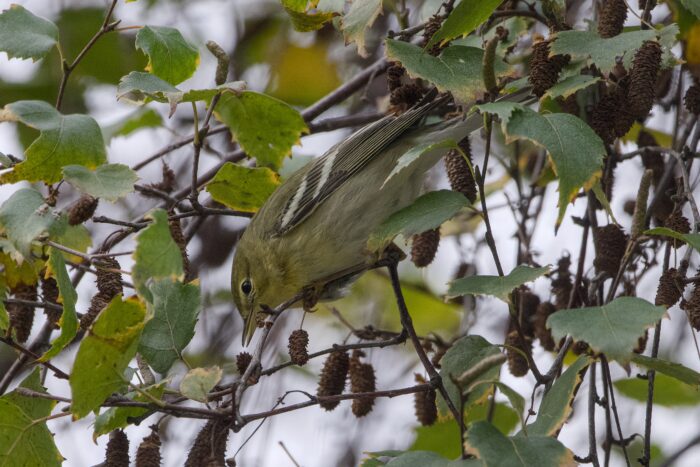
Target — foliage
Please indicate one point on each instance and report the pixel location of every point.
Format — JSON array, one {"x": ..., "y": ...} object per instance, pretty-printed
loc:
[{"x": 150, "y": 203}]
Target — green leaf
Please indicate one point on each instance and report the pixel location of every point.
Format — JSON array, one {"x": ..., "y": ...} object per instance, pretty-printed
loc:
[
  {"x": 672, "y": 369},
  {"x": 463, "y": 20},
  {"x": 23, "y": 217},
  {"x": 668, "y": 391},
  {"x": 429, "y": 459},
  {"x": 24, "y": 439},
  {"x": 426, "y": 213},
  {"x": 139, "y": 87},
  {"x": 358, "y": 19},
  {"x": 497, "y": 286},
  {"x": 242, "y": 188},
  {"x": 457, "y": 69},
  {"x": 266, "y": 128},
  {"x": 556, "y": 404},
  {"x": 306, "y": 22},
  {"x": 495, "y": 449},
  {"x": 504, "y": 417},
  {"x": 693, "y": 6},
  {"x": 574, "y": 148},
  {"x": 612, "y": 329},
  {"x": 588, "y": 45},
  {"x": 571, "y": 85},
  {"x": 76, "y": 237},
  {"x": 119, "y": 417},
  {"x": 691, "y": 239},
  {"x": 515, "y": 399},
  {"x": 463, "y": 355},
  {"x": 175, "y": 308},
  {"x": 108, "y": 181},
  {"x": 156, "y": 255},
  {"x": 69, "y": 320},
  {"x": 63, "y": 140},
  {"x": 197, "y": 383},
  {"x": 170, "y": 57},
  {"x": 104, "y": 354},
  {"x": 25, "y": 35},
  {"x": 415, "y": 153},
  {"x": 140, "y": 119}
]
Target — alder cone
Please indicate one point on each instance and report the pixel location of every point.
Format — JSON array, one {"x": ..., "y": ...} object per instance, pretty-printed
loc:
[
  {"x": 117, "y": 454},
  {"x": 243, "y": 359},
  {"x": 405, "y": 96},
  {"x": 297, "y": 346},
  {"x": 544, "y": 310},
  {"x": 424, "y": 247},
  {"x": 645, "y": 69},
  {"x": 580, "y": 348},
  {"x": 22, "y": 316},
  {"x": 167, "y": 182},
  {"x": 692, "y": 99},
  {"x": 544, "y": 70},
  {"x": 429, "y": 31},
  {"x": 678, "y": 222},
  {"x": 209, "y": 448},
  {"x": 528, "y": 303},
  {"x": 333, "y": 375},
  {"x": 670, "y": 288},
  {"x": 605, "y": 115},
  {"x": 82, "y": 210},
  {"x": 642, "y": 342},
  {"x": 393, "y": 76},
  {"x": 692, "y": 307},
  {"x": 458, "y": 172},
  {"x": 629, "y": 206},
  {"x": 610, "y": 242},
  {"x": 362, "y": 379},
  {"x": 148, "y": 453},
  {"x": 517, "y": 363},
  {"x": 176, "y": 232},
  {"x": 612, "y": 18}
]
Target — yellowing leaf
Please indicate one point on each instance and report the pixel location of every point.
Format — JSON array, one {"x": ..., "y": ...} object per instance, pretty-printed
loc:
[
  {"x": 104, "y": 354},
  {"x": 243, "y": 188},
  {"x": 197, "y": 383},
  {"x": 358, "y": 19},
  {"x": 63, "y": 140}
]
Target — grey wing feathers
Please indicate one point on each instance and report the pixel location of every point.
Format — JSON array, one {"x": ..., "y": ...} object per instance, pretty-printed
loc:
[{"x": 344, "y": 160}]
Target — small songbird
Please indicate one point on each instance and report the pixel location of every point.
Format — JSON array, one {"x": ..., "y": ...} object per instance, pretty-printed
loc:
[{"x": 314, "y": 228}]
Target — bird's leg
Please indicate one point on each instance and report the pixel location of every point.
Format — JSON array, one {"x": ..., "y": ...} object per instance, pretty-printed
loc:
[{"x": 407, "y": 323}]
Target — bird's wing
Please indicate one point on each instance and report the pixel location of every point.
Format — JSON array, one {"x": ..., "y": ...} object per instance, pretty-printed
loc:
[{"x": 343, "y": 161}]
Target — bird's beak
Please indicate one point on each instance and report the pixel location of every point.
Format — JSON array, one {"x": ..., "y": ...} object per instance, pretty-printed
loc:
[{"x": 249, "y": 326}]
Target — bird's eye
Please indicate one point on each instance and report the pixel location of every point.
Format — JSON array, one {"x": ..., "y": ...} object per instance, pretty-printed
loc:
[{"x": 246, "y": 287}]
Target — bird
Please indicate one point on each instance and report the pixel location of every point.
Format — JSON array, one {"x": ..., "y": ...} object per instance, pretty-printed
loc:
[{"x": 313, "y": 229}]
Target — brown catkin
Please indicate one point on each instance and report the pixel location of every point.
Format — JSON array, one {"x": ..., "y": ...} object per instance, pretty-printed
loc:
[
  {"x": 82, "y": 209},
  {"x": 297, "y": 346},
  {"x": 670, "y": 288},
  {"x": 393, "y": 76},
  {"x": 645, "y": 69},
  {"x": 544, "y": 310},
  {"x": 117, "y": 454},
  {"x": 209, "y": 448},
  {"x": 49, "y": 292},
  {"x": 97, "y": 304},
  {"x": 362, "y": 379},
  {"x": 333, "y": 375},
  {"x": 148, "y": 453},
  {"x": 692, "y": 307},
  {"x": 424, "y": 405},
  {"x": 167, "y": 182},
  {"x": 424, "y": 247},
  {"x": 544, "y": 70},
  {"x": 692, "y": 99},
  {"x": 517, "y": 363},
  {"x": 612, "y": 18},
  {"x": 243, "y": 359},
  {"x": 22, "y": 316},
  {"x": 181, "y": 242},
  {"x": 109, "y": 279},
  {"x": 610, "y": 243},
  {"x": 458, "y": 172}
]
